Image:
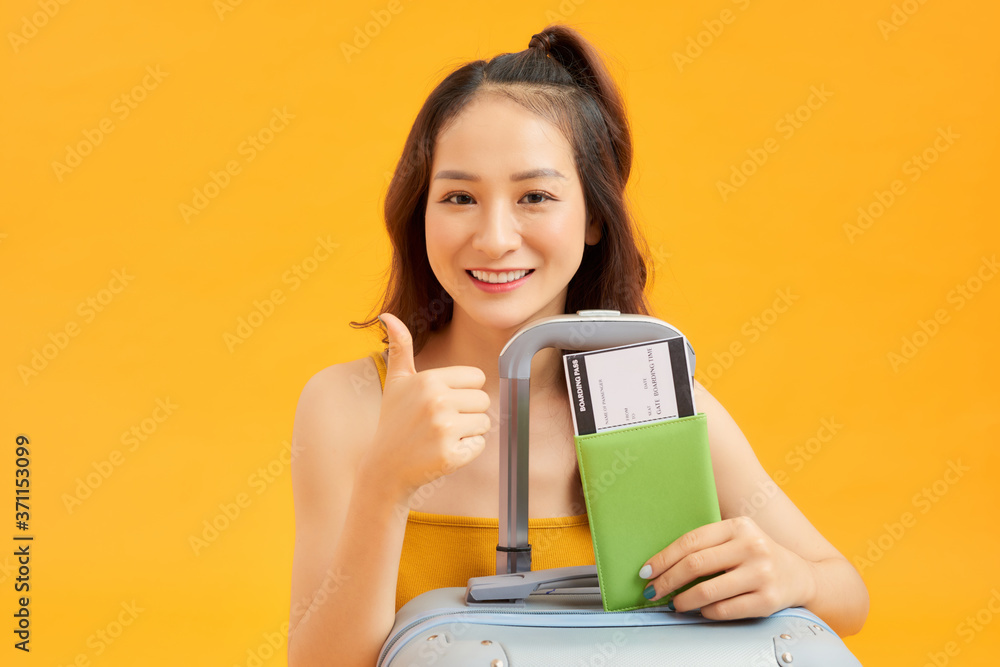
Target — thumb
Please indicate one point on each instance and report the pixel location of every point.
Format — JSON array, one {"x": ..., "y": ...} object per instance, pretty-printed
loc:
[{"x": 400, "y": 347}]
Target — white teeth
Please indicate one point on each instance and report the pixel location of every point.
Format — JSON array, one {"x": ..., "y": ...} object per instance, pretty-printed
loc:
[{"x": 503, "y": 277}]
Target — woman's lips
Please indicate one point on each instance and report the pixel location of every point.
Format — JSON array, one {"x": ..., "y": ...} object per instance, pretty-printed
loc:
[{"x": 496, "y": 288}]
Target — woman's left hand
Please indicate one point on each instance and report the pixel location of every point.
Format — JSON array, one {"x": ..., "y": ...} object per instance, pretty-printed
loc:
[{"x": 759, "y": 576}]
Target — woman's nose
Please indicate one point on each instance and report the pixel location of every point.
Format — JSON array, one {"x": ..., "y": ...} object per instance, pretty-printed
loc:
[{"x": 497, "y": 233}]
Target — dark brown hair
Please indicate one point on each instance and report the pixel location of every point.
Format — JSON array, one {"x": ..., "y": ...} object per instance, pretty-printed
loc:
[{"x": 562, "y": 78}]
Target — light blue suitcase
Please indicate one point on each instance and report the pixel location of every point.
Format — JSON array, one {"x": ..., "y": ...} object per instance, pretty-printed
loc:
[{"x": 520, "y": 618}]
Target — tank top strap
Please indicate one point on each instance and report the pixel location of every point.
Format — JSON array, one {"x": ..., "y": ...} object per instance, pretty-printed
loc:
[{"x": 381, "y": 366}]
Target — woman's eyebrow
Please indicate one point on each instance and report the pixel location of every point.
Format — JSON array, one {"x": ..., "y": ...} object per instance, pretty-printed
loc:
[{"x": 458, "y": 175}]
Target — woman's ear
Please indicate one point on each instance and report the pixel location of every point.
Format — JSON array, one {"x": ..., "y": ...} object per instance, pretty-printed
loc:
[{"x": 593, "y": 234}]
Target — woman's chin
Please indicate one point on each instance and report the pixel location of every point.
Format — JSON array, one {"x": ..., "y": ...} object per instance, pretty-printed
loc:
[{"x": 509, "y": 323}]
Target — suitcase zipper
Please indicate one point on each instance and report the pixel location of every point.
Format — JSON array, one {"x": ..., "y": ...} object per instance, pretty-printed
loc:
[{"x": 802, "y": 613}]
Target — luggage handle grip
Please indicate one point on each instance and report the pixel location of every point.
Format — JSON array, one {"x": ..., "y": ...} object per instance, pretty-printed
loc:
[
  {"x": 585, "y": 330},
  {"x": 513, "y": 588}
]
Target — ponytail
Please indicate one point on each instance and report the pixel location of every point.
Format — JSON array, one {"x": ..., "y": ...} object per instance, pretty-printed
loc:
[{"x": 584, "y": 64}]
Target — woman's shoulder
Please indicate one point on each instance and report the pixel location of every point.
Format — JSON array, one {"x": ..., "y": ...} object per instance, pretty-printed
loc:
[
  {"x": 349, "y": 380},
  {"x": 339, "y": 406}
]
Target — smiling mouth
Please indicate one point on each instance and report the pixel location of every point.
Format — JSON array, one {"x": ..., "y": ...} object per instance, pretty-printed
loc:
[{"x": 500, "y": 277}]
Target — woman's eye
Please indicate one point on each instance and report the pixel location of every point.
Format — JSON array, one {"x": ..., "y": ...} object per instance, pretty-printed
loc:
[
  {"x": 457, "y": 194},
  {"x": 537, "y": 194}
]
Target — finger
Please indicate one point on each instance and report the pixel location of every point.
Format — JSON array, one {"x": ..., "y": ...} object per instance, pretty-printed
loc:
[
  {"x": 702, "y": 563},
  {"x": 400, "y": 347},
  {"x": 472, "y": 445},
  {"x": 460, "y": 377},
  {"x": 703, "y": 537},
  {"x": 749, "y": 605},
  {"x": 734, "y": 582},
  {"x": 470, "y": 400},
  {"x": 467, "y": 449},
  {"x": 471, "y": 424},
  {"x": 464, "y": 451}
]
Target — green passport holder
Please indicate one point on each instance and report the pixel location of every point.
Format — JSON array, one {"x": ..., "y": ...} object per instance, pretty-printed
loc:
[{"x": 645, "y": 486}]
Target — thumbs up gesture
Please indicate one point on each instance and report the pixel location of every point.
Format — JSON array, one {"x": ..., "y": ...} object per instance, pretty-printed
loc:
[{"x": 431, "y": 422}]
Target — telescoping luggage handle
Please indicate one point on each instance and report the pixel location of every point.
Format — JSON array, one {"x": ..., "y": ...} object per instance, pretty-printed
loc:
[{"x": 586, "y": 330}]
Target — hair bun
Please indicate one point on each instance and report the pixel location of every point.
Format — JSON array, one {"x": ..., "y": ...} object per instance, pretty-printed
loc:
[{"x": 541, "y": 40}]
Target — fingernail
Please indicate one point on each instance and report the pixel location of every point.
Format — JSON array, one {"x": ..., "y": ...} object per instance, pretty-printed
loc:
[
  {"x": 381, "y": 320},
  {"x": 645, "y": 572},
  {"x": 670, "y": 606},
  {"x": 649, "y": 592}
]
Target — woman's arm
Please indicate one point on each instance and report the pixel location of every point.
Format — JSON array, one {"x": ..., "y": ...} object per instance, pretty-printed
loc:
[
  {"x": 348, "y": 532},
  {"x": 773, "y": 557},
  {"x": 361, "y": 458}
]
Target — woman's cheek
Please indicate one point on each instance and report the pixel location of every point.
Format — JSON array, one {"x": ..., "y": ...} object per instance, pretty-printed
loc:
[{"x": 567, "y": 237}]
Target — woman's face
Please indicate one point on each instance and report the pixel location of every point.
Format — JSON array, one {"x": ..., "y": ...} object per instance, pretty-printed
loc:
[{"x": 505, "y": 219}]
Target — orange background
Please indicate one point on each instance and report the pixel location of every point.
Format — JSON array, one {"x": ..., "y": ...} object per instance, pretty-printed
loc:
[{"x": 163, "y": 332}]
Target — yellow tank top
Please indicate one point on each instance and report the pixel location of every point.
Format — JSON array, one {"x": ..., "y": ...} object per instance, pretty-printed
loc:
[{"x": 442, "y": 550}]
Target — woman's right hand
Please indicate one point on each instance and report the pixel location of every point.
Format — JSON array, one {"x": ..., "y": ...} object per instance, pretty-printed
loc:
[{"x": 431, "y": 423}]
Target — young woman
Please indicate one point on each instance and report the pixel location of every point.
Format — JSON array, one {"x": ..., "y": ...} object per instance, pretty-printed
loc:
[{"x": 508, "y": 205}]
